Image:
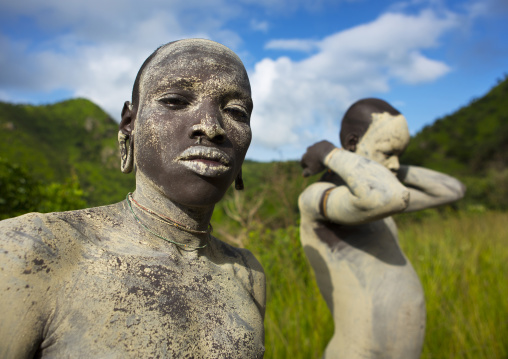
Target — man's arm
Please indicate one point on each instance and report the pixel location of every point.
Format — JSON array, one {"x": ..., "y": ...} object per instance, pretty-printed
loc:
[
  {"x": 429, "y": 188},
  {"x": 370, "y": 192},
  {"x": 256, "y": 279},
  {"x": 24, "y": 285}
]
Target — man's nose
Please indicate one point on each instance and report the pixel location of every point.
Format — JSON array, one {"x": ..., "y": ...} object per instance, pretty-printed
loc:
[
  {"x": 393, "y": 163},
  {"x": 209, "y": 127}
]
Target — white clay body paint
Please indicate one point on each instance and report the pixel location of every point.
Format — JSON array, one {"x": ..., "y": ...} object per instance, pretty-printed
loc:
[
  {"x": 374, "y": 294},
  {"x": 193, "y": 122},
  {"x": 151, "y": 297},
  {"x": 385, "y": 140}
]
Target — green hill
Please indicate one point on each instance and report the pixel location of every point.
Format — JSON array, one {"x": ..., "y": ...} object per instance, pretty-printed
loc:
[
  {"x": 74, "y": 143},
  {"x": 471, "y": 141},
  {"x": 75, "y": 139},
  {"x": 70, "y": 138}
]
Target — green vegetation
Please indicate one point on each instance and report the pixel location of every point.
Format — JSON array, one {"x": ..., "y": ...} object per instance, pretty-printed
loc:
[
  {"x": 460, "y": 259},
  {"x": 69, "y": 139},
  {"x": 76, "y": 139},
  {"x": 471, "y": 144},
  {"x": 298, "y": 323},
  {"x": 22, "y": 193},
  {"x": 270, "y": 200},
  {"x": 64, "y": 156}
]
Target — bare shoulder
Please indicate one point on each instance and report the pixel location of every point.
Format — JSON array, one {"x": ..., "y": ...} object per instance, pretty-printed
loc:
[
  {"x": 247, "y": 269},
  {"x": 251, "y": 262},
  {"x": 317, "y": 187},
  {"x": 31, "y": 233},
  {"x": 36, "y": 239},
  {"x": 37, "y": 246},
  {"x": 241, "y": 257},
  {"x": 34, "y": 256},
  {"x": 311, "y": 198}
]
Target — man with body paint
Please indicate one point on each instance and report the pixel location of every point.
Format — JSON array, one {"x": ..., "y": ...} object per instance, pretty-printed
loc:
[
  {"x": 350, "y": 239},
  {"x": 144, "y": 278}
]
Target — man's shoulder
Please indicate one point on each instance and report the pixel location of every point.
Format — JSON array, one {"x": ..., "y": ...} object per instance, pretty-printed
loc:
[
  {"x": 328, "y": 179},
  {"x": 31, "y": 225},
  {"x": 311, "y": 200},
  {"x": 317, "y": 187},
  {"x": 245, "y": 265},
  {"x": 33, "y": 233},
  {"x": 29, "y": 248},
  {"x": 248, "y": 270},
  {"x": 49, "y": 234},
  {"x": 39, "y": 243},
  {"x": 240, "y": 256}
]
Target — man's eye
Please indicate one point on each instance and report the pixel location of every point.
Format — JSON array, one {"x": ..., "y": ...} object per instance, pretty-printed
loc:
[
  {"x": 388, "y": 154},
  {"x": 239, "y": 113},
  {"x": 175, "y": 101}
]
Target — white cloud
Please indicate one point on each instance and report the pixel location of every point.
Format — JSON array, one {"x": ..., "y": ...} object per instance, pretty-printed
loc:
[
  {"x": 297, "y": 102},
  {"x": 417, "y": 69},
  {"x": 94, "y": 48}
]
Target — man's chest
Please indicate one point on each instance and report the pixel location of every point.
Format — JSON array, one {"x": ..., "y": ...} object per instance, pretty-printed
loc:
[{"x": 121, "y": 306}]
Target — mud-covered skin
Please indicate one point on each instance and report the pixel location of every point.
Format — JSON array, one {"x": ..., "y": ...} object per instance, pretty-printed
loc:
[
  {"x": 371, "y": 289},
  {"x": 193, "y": 93},
  {"x": 351, "y": 241},
  {"x": 373, "y": 292},
  {"x": 91, "y": 283},
  {"x": 95, "y": 283}
]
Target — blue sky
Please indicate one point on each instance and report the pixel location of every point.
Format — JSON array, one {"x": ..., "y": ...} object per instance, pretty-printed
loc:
[{"x": 308, "y": 60}]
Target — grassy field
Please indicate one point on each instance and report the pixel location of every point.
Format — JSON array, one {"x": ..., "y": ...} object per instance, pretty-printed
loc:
[
  {"x": 463, "y": 265},
  {"x": 462, "y": 261}
]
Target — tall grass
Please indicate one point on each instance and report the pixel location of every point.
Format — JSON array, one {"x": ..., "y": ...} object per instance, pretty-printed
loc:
[
  {"x": 462, "y": 261},
  {"x": 298, "y": 323}
]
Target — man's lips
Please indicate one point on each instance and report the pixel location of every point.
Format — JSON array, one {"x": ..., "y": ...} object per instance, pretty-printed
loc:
[
  {"x": 205, "y": 161},
  {"x": 205, "y": 154}
]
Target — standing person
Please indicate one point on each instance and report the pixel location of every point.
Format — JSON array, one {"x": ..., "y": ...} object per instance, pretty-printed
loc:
[
  {"x": 144, "y": 278},
  {"x": 350, "y": 238}
]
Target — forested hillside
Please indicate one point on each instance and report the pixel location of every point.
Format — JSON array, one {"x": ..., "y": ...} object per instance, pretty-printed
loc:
[
  {"x": 70, "y": 141},
  {"x": 71, "y": 147},
  {"x": 472, "y": 144},
  {"x": 471, "y": 141}
]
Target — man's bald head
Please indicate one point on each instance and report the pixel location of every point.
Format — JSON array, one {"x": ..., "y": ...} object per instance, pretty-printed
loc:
[
  {"x": 186, "y": 47},
  {"x": 358, "y": 118}
]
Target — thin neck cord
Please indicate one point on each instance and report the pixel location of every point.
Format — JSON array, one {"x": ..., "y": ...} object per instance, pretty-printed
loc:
[
  {"x": 183, "y": 246},
  {"x": 168, "y": 220}
]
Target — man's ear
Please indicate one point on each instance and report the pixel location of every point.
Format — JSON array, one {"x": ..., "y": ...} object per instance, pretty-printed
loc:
[
  {"x": 351, "y": 142},
  {"x": 128, "y": 117}
]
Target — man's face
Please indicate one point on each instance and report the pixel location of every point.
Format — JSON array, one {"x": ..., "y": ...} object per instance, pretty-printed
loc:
[
  {"x": 192, "y": 128},
  {"x": 385, "y": 140}
]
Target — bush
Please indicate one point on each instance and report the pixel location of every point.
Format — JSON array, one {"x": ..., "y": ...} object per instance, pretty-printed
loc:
[{"x": 22, "y": 193}]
